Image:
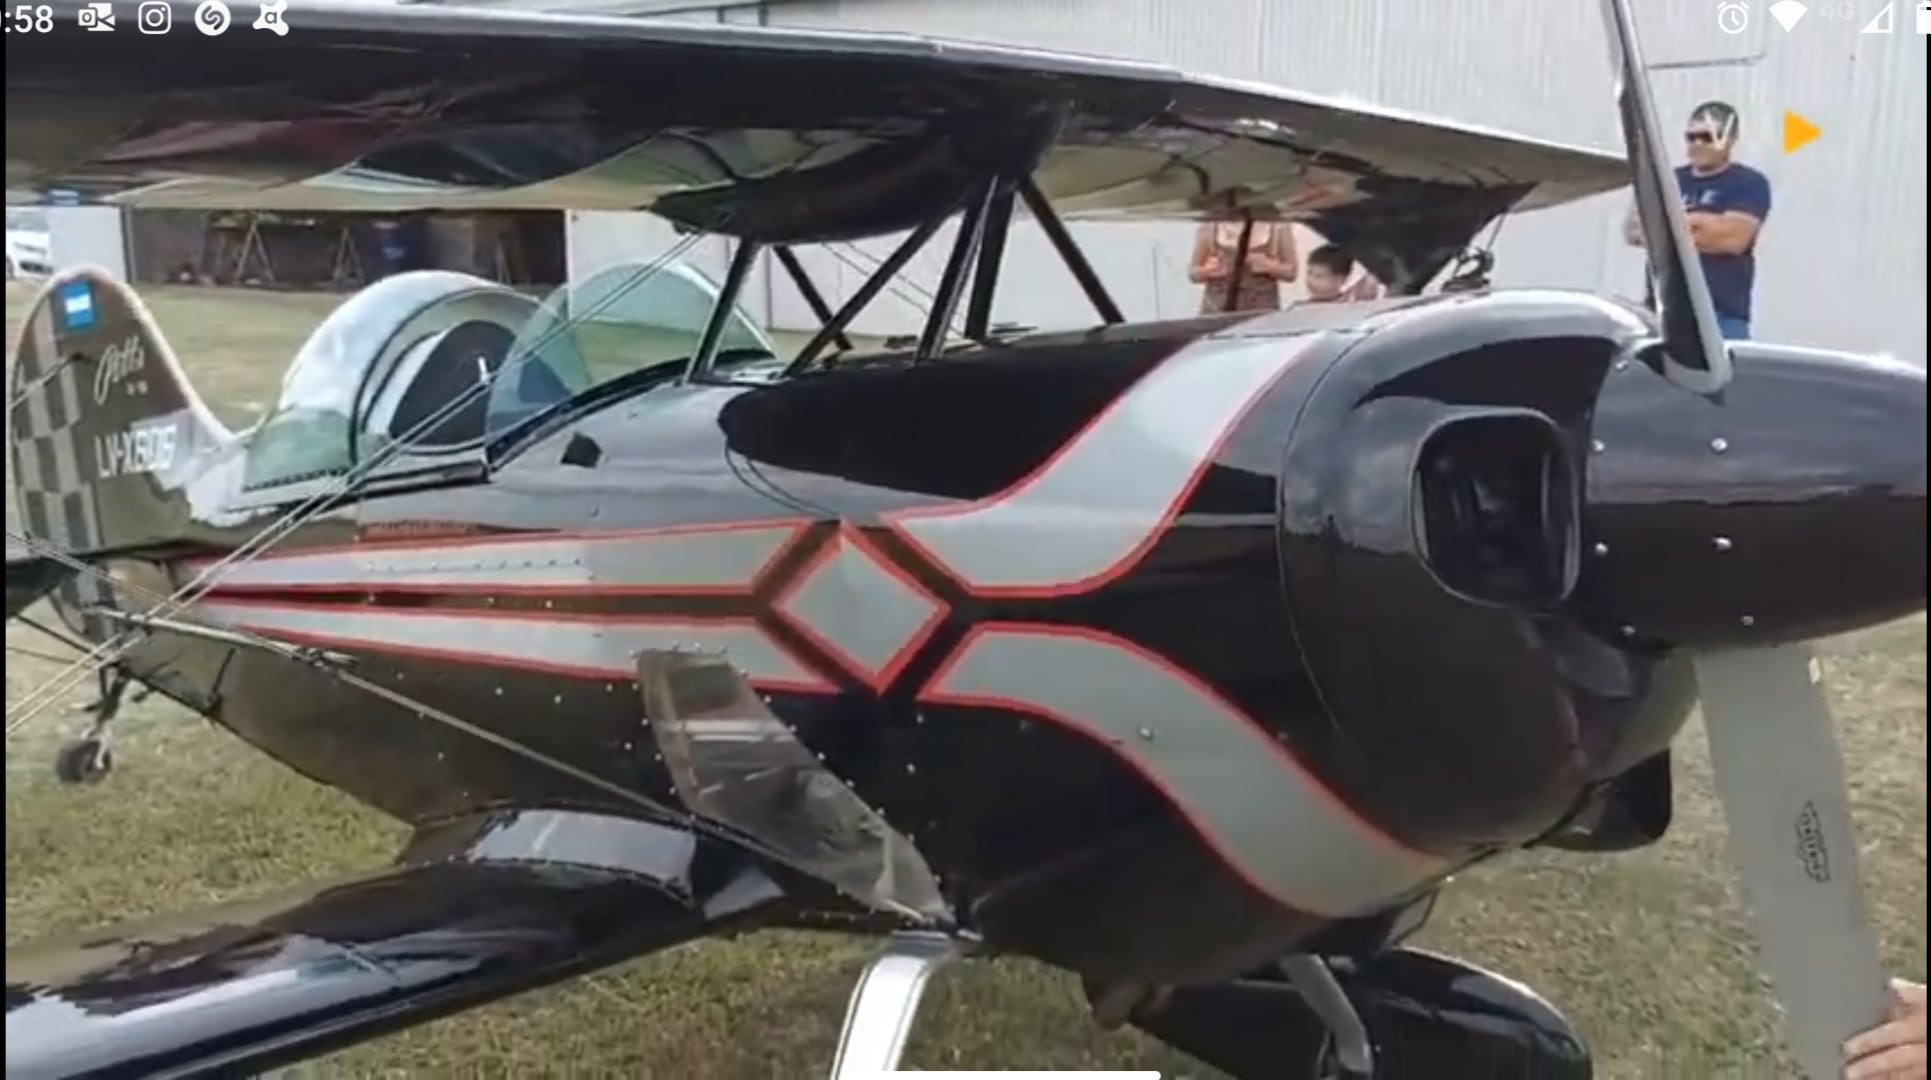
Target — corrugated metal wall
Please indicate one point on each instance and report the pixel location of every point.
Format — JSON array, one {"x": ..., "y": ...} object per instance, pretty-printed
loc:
[{"x": 1842, "y": 260}]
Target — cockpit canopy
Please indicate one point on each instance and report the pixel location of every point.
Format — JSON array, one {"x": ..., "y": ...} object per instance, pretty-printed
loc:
[{"x": 444, "y": 362}]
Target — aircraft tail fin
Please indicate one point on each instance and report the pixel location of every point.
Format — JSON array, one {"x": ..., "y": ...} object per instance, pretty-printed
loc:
[{"x": 103, "y": 427}]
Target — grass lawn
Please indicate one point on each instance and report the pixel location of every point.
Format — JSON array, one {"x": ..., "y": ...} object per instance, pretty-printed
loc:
[{"x": 1647, "y": 951}]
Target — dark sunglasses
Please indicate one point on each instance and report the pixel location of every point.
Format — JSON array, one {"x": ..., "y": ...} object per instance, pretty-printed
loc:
[{"x": 1702, "y": 137}]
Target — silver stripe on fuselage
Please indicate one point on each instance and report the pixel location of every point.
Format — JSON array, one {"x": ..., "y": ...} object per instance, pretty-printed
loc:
[
  {"x": 1270, "y": 818},
  {"x": 603, "y": 648},
  {"x": 717, "y": 559},
  {"x": 853, "y": 604},
  {"x": 1088, "y": 513}
]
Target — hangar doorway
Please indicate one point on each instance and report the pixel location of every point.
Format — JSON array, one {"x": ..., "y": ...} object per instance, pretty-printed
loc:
[{"x": 342, "y": 252}]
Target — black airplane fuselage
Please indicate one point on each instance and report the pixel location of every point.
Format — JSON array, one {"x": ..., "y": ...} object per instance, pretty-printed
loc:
[
  {"x": 1246, "y": 629},
  {"x": 1191, "y": 657}
]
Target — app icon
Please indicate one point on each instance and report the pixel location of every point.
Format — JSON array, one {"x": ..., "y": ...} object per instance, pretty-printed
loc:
[
  {"x": 154, "y": 17},
  {"x": 1798, "y": 131},
  {"x": 97, "y": 17},
  {"x": 271, "y": 18},
  {"x": 212, "y": 17}
]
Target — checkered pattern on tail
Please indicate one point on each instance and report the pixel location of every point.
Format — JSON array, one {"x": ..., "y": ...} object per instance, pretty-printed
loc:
[{"x": 58, "y": 504}]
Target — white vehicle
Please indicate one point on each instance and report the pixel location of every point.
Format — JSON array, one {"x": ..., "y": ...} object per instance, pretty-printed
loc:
[{"x": 28, "y": 243}]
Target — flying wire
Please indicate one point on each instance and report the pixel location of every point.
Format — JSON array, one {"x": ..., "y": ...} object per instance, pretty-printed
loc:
[
  {"x": 421, "y": 708},
  {"x": 20, "y": 398},
  {"x": 922, "y": 303},
  {"x": 22, "y": 650},
  {"x": 295, "y": 653},
  {"x": 317, "y": 660},
  {"x": 115, "y": 647}
]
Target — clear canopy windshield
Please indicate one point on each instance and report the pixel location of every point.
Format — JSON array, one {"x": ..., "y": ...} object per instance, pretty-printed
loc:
[
  {"x": 633, "y": 319},
  {"x": 308, "y": 433}
]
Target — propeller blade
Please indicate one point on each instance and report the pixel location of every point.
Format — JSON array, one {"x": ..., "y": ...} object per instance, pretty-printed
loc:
[
  {"x": 1694, "y": 354},
  {"x": 1780, "y": 777}
]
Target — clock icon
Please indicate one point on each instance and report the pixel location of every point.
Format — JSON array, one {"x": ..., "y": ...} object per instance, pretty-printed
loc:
[{"x": 1732, "y": 17}]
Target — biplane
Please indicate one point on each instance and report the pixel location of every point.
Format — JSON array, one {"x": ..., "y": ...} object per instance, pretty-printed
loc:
[{"x": 1192, "y": 657}]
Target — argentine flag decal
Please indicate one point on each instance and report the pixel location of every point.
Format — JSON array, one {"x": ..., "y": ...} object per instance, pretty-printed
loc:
[{"x": 77, "y": 305}]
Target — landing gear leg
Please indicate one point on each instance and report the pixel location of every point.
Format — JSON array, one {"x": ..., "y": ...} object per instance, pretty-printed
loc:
[
  {"x": 886, "y": 1002},
  {"x": 88, "y": 759},
  {"x": 1350, "y": 1053}
]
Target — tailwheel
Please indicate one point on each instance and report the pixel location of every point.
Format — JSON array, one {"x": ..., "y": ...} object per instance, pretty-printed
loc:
[
  {"x": 84, "y": 761},
  {"x": 88, "y": 759}
]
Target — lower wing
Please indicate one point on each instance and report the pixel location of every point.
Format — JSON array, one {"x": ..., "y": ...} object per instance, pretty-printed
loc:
[{"x": 511, "y": 903}]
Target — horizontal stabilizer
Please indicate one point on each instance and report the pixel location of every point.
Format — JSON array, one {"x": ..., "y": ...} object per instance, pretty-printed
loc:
[{"x": 30, "y": 578}]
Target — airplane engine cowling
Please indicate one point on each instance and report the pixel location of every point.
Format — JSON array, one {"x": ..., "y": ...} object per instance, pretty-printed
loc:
[
  {"x": 1791, "y": 509},
  {"x": 1432, "y": 538}
]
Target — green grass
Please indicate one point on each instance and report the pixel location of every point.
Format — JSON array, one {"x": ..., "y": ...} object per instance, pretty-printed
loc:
[{"x": 1647, "y": 951}]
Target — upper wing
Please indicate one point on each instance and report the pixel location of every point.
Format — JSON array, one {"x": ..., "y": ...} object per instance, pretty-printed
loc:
[{"x": 781, "y": 135}]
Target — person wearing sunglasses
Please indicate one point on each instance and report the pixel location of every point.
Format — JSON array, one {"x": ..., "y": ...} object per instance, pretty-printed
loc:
[{"x": 1725, "y": 202}]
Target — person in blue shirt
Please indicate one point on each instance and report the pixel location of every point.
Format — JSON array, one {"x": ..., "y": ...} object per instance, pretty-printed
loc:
[{"x": 1726, "y": 203}]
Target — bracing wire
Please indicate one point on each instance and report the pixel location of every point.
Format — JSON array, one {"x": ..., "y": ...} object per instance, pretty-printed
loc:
[
  {"x": 285, "y": 649},
  {"x": 27, "y": 391},
  {"x": 851, "y": 254},
  {"x": 117, "y": 646},
  {"x": 651, "y": 808}
]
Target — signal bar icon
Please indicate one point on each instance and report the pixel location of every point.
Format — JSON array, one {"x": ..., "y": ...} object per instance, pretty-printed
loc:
[{"x": 1788, "y": 13}]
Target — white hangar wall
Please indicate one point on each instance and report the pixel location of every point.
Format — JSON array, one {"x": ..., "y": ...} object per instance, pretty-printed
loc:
[{"x": 1841, "y": 263}]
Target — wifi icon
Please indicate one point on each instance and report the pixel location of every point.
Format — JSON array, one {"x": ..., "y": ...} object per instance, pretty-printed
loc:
[{"x": 1788, "y": 13}]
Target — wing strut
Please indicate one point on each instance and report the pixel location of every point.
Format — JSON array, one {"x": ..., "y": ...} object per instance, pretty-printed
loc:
[
  {"x": 979, "y": 249},
  {"x": 965, "y": 251},
  {"x": 808, "y": 289},
  {"x": 722, "y": 309},
  {"x": 1068, "y": 248},
  {"x": 992, "y": 252},
  {"x": 866, "y": 294}
]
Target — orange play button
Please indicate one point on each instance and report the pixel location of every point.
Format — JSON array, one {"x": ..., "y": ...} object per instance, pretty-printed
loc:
[{"x": 1798, "y": 132}]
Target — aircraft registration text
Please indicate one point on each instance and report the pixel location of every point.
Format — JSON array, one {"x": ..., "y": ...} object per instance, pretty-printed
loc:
[{"x": 146, "y": 447}]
